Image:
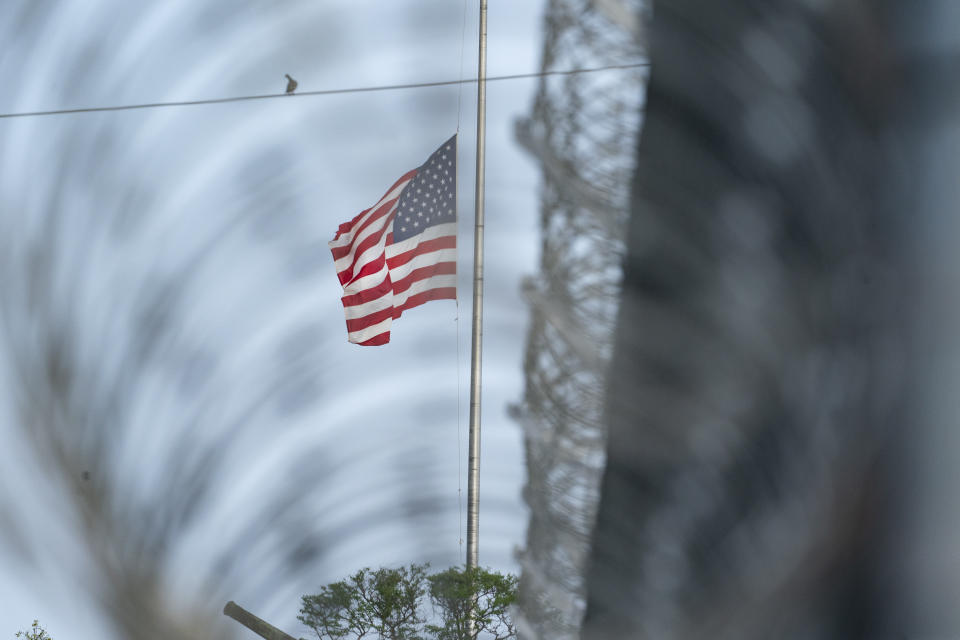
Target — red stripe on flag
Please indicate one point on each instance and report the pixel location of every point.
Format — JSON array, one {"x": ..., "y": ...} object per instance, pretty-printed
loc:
[
  {"x": 359, "y": 324},
  {"x": 377, "y": 340},
  {"x": 372, "y": 267},
  {"x": 439, "y": 269},
  {"x": 441, "y": 293},
  {"x": 443, "y": 242},
  {"x": 377, "y": 216},
  {"x": 347, "y": 275},
  {"x": 346, "y": 226},
  {"x": 368, "y": 295}
]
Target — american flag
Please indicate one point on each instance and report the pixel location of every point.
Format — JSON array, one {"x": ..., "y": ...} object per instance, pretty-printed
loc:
[{"x": 402, "y": 251}]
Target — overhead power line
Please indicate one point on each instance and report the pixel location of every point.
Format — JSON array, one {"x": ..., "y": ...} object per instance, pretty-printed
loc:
[{"x": 323, "y": 92}]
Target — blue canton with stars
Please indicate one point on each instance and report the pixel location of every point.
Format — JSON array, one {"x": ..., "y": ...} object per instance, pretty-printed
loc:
[{"x": 431, "y": 197}]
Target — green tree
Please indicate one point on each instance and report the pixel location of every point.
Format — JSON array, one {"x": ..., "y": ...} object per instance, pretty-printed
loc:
[
  {"x": 386, "y": 602},
  {"x": 36, "y": 632},
  {"x": 390, "y": 604},
  {"x": 485, "y": 596}
]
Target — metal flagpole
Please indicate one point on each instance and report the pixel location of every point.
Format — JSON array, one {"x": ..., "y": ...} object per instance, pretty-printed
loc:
[{"x": 473, "y": 469}]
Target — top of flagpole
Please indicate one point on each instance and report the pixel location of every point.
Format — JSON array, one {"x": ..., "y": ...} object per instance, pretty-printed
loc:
[{"x": 473, "y": 480}]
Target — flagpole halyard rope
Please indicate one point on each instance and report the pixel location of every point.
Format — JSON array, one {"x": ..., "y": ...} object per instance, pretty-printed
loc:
[
  {"x": 463, "y": 36},
  {"x": 463, "y": 39},
  {"x": 322, "y": 92},
  {"x": 456, "y": 302},
  {"x": 459, "y": 437}
]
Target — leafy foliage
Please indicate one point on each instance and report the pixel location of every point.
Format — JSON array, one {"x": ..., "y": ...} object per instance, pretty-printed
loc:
[
  {"x": 485, "y": 596},
  {"x": 36, "y": 632},
  {"x": 382, "y": 601},
  {"x": 389, "y": 604}
]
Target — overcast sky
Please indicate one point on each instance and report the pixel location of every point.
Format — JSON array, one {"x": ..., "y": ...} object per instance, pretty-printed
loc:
[{"x": 232, "y": 206}]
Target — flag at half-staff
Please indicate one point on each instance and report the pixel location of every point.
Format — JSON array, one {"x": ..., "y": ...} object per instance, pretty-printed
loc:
[{"x": 402, "y": 251}]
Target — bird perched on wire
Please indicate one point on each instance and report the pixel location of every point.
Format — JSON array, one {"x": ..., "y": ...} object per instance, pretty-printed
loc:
[{"x": 291, "y": 83}]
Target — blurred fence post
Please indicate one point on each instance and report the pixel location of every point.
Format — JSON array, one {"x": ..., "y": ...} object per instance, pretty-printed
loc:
[{"x": 260, "y": 627}]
